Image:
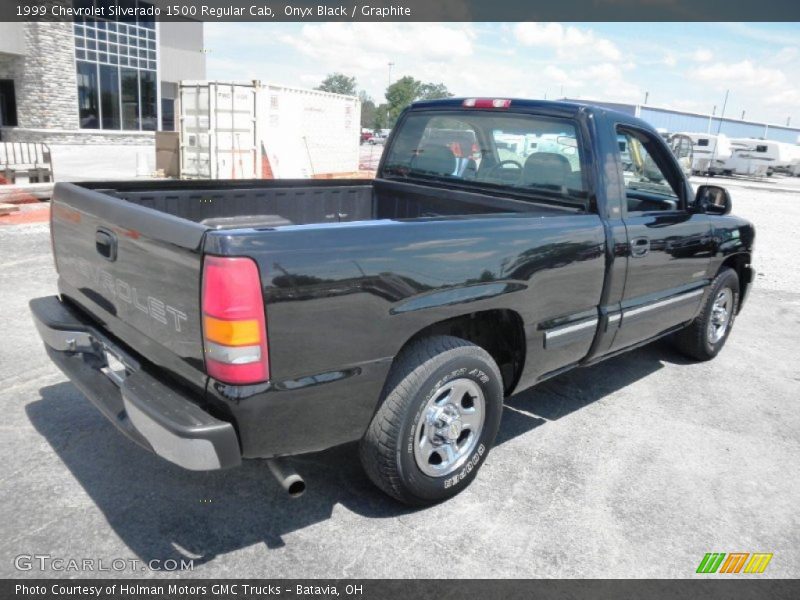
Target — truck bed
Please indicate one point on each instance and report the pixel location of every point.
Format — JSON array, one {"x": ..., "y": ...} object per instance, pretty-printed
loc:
[{"x": 275, "y": 203}]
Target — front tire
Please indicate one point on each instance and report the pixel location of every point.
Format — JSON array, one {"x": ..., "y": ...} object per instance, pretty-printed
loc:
[
  {"x": 439, "y": 416},
  {"x": 707, "y": 334}
]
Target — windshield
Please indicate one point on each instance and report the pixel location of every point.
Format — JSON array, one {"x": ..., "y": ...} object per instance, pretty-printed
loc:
[{"x": 525, "y": 154}]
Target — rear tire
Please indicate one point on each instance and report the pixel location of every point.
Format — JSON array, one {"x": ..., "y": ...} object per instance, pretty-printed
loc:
[
  {"x": 707, "y": 334},
  {"x": 439, "y": 416}
]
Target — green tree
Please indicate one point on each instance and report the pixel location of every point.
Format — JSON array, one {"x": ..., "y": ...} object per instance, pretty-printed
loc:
[
  {"x": 368, "y": 110},
  {"x": 431, "y": 91},
  {"x": 382, "y": 117},
  {"x": 406, "y": 90},
  {"x": 338, "y": 83}
]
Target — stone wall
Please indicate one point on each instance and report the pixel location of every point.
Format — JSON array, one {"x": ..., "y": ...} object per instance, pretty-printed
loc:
[{"x": 46, "y": 84}]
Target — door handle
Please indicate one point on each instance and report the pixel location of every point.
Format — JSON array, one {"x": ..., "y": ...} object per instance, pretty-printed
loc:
[
  {"x": 105, "y": 242},
  {"x": 640, "y": 247}
]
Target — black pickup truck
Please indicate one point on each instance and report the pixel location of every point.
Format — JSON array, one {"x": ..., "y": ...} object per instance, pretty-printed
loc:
[{"x": 215, "y": 321}]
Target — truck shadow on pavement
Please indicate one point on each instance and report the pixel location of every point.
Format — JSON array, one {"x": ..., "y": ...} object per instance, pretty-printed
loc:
[
  {"x": 575, "y": 389},
  {"x": 161, "y": 511}
]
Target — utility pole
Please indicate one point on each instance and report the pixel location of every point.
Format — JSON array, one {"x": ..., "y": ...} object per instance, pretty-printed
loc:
[
  {"x": 711, "y": 118},
  {"x": 646, "y": 96},
  {"x": 722, "y": 114},
  {"x": 391, "y": 64},
  {"x": 743, "y": 115},
  {"x": 719, "y": 126}
]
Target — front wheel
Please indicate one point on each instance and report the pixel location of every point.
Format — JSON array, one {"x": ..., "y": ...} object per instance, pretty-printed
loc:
[
  {"x": 707, "y": 334},
  {"x": 438, "y": 419}
]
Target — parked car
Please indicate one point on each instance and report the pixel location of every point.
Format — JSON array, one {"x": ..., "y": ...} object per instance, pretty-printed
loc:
[
  {"x": 378, "y": 138},
  {"x": 218, "y": 321}
]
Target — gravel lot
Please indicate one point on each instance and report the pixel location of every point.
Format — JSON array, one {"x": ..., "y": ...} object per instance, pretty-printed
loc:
[{"x": 633, "y": 468}]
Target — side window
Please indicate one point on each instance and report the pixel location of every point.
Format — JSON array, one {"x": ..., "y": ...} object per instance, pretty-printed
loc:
[{"x": 647, "y": 184}]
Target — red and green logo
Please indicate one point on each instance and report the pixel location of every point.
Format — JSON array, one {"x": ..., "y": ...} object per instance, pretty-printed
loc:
[{"x": 734, "y": 562}]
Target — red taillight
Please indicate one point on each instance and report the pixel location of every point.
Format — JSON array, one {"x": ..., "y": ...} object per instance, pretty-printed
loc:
[
  {"x": 486, "y": 103},
  {"x": 234, "y": 325}
]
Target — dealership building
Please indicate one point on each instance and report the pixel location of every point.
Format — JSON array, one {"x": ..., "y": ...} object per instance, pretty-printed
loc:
[{"x": 90, "y": 84}]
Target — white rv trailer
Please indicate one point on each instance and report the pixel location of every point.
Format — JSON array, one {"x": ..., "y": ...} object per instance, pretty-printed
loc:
[
  {"x": 682, "y": 147},
  {"x": 709, "y": 152},
  {"x": 751, "y": 157},
  {"x": 794, "y": 162},
  {"x": 788, "y": 159}
]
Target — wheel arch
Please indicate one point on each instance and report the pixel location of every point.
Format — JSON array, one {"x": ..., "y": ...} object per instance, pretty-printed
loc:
[
  {"x": 498, "y": 331},
  {"x": 740, "y": 263}
]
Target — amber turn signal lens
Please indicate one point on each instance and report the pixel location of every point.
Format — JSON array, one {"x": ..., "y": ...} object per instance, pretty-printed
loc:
[{"x": 232, "y": 333}]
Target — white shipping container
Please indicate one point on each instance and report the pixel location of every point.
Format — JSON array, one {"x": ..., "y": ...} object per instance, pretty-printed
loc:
[
  {"x": 218, "y": 130},
  {"x": 243, "y": 130}
]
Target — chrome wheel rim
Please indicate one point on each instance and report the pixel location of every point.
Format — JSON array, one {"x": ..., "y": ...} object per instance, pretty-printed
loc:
[
  {"x": 720, "y": 315},
  {"x": 449, "y": 427}
]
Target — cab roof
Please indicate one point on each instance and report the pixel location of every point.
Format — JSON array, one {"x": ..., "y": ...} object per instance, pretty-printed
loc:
[
  {"x": 552, "y": 107},
  {"x": 516, "y": 103}
]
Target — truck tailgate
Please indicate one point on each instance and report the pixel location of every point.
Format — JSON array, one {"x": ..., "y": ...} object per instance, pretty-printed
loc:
[{"x": 136, "y": 271}]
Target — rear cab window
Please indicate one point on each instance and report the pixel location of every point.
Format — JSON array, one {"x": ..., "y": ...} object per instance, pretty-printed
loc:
[{"x": 525, "y": 155}]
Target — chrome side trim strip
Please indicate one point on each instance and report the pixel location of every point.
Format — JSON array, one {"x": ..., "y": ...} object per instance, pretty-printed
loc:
[
  {"x": 662, "y": 303},
  {"x": 559, "y": 331},
  {"x": 614, "y": 318}
]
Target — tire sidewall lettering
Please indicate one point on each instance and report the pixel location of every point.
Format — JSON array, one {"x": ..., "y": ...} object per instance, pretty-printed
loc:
[{"x": 469, "y": 466}]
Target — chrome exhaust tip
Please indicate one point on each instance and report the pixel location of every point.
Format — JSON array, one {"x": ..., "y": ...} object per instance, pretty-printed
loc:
[{"x": 289, "y": 479}]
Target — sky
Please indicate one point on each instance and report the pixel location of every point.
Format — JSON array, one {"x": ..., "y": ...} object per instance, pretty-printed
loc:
[{"x": 686, "y": 66}]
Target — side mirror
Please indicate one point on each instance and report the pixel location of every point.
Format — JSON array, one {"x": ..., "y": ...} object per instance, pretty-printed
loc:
[{"x": 712, "y": 200}]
